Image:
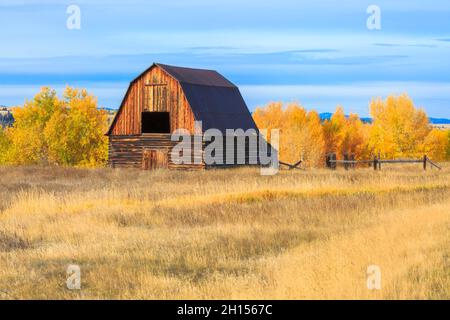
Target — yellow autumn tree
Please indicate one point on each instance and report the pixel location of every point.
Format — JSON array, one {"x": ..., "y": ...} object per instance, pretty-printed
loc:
[
  {"x": 75, "y": 132},
  {"x": 399, "y": 128},
  {"x": 355, "y": 137},
  {"x": 27, "y": 134},
  {"x": 334, "y": 131},
  {"x": 292, "y": 126},
  {"x": 48, "y": 130},
  {"x": 269, "y": 117},
  {"x": 301, "y": 133},
  {"x": 435, "y": 144},
  {"x": 4, "y": 146},
  {"x": 345, "y": 135},
  {"x": 448, "y": 146},
  {"x": 314, "y": 149}
]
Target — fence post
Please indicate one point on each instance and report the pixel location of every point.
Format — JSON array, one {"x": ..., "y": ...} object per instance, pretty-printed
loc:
[
  {"x": 425, "y": 162},
  {"x": 379, "y": 160},
  {"x": 375, "y": 163},
  {"x": 345, "y": 159}
]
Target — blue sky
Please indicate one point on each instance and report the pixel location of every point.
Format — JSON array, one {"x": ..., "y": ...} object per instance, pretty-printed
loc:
[{"x": 319, "y": 53}]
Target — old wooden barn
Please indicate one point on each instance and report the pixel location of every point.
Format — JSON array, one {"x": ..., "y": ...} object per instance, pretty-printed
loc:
[{"x": 165, "y": 98}]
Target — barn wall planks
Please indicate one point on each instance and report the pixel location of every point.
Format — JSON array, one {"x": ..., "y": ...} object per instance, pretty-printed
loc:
[
  {"x": 127, "y": 151},
  {"x": 166, "y": 95}
]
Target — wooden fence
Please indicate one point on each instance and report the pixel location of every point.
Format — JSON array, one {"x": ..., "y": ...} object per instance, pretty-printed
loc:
[
  {"x": 376, "y": 162},
  {"x": 291, "y": 166}
]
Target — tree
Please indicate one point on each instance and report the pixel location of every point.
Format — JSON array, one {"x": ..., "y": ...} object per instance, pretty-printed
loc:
[
  {"x": 355, "y": 137},
  {"x": 301, "y": 133},
  {"x": 345, "y": 135},
  {"x": 4, "y": 146},
  {"x": 448, "y": 145},
  {"x": 435, "y": 144},
  {"x": 269, "y": 117},
  {"x": 28, "y": 144},
  {"x": 399, "y": 128},
  {"x": 333, "y": 131},
  {"x": 48, "y": 130},
  {"x": 292, "y": 127},
  {"x": 313, "y": 138},
  {"x": 75, "y": 133}
]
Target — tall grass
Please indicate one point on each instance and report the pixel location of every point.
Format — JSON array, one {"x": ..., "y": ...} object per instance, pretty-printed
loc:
[{"x": 224, "y": 233}]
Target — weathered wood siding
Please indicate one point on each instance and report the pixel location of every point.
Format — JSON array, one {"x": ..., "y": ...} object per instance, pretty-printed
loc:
[
  {"x": 171, "y": 99},
  {"x": 127, "y": 151}
]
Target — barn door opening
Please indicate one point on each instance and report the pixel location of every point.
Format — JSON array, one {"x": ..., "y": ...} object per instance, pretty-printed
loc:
[
  {"x": 155, "y": 122},
  {"x": 155, "y": 159}
]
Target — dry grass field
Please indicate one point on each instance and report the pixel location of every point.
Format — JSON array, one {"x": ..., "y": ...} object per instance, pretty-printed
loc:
[{"x": 224, "y": 233}]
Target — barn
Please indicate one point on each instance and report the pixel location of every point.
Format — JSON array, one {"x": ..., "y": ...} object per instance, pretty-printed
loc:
[{"x": 164, "y": 98}]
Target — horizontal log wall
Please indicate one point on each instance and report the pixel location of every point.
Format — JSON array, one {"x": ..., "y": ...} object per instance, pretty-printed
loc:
[
  {"x": 245, "y": 157},
  {"x": 127, "y": 151}
]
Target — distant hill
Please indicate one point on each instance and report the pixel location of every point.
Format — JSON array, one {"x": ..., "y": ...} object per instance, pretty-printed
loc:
[
  {"x": 108, "y": 109},
  {"x": 327, "y": 116},
  {"x": 439, "y": 121}
]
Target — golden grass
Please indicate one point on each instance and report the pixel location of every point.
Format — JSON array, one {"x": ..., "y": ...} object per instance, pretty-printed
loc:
[{"x": 224, "y": 233}]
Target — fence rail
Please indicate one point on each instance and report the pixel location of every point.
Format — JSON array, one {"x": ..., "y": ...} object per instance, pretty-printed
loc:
[
  {"x": 376, "y": 162},
  {"x": 291, "y": 166}
]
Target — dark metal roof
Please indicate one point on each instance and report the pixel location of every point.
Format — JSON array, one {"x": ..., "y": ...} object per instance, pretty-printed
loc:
[
  {"x": 218, "y": 107},
  {"x": 196, "y": 76},
  {"x": 213, "y": 99}
]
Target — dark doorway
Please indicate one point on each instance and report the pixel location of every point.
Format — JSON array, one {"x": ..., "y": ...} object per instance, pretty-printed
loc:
[{"x": 155, "y": 122}]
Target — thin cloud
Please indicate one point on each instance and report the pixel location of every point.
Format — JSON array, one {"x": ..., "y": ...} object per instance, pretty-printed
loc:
[{"x": 399, "y": 45}]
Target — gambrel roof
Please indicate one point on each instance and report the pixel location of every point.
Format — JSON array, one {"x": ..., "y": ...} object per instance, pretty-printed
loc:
[{"x": 214, "y": 100}]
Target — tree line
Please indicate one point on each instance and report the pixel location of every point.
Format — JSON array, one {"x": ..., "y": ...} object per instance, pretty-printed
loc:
[
  {"x": 398, "y": 130},
  {"x": 70, "y": 131}
]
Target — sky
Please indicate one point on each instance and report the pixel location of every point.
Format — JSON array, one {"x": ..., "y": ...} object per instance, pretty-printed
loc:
[{"x": 318, "y": 53}]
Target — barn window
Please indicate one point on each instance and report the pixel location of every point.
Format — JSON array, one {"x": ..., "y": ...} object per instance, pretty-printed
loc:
[{"x": 155, "y": 122}]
